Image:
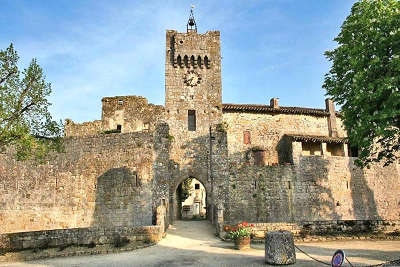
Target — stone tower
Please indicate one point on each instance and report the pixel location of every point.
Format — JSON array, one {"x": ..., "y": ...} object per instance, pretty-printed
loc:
[
  {"x": 193, "y": 80},
  {"x": 192, "y": 100}
]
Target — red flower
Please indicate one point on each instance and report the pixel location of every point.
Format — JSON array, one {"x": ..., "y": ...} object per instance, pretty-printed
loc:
[
  {"x": 251, "y": 225},
  {"x": 227, "y": 228},
  {"x": 234, "y": 229},
  {"x": 245, "y": 224}
]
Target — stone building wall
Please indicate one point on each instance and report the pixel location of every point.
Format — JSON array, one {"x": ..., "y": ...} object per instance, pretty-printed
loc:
[
  {"x": 82, "y": 129},
  {"x": 266, "y": 132},
  {"x": 132, "y": 113},
  {"x": 102, "y": 181}
]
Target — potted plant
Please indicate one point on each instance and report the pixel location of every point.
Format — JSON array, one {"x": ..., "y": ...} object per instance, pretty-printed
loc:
[{"x": 240, "y": 234}]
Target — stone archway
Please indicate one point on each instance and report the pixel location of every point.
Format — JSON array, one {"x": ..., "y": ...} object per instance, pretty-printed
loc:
[{"x": 175, "y": 204}]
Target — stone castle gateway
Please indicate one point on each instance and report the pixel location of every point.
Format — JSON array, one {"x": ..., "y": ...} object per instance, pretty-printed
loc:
[{"x": 278, "y": 167}]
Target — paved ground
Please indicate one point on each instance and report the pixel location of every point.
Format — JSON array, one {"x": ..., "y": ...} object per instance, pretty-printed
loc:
[{"x": 192, "y": 243}]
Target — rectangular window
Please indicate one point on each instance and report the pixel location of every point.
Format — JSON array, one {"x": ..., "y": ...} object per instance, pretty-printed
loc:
[
  {"x": 196, "y": 186},
  {"x": 192, "y": 120},
  {"x": 119, "y": 128},
  {"x": 246, "y": 137}
]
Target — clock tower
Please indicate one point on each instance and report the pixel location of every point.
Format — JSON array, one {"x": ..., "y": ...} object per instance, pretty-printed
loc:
[
  {"x": 192, "y": 81},
  {"x": 192, "y": 97}
]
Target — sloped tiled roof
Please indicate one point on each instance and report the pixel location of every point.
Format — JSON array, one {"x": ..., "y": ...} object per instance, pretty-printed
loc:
[
  {"x": 269, "y": 109},
  {"x": 316, "y": 138}
]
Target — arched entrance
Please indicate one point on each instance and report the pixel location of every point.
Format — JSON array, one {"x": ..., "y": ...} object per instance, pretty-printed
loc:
[{"x": 189, "y": 200}]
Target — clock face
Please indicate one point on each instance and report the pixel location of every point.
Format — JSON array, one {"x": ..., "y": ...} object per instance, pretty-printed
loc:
[{"x": 192, "y": 78}]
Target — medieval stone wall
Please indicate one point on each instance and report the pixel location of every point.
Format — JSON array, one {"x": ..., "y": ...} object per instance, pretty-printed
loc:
[
  {"x": 82, "y": 129},
  {"x": 132, "y": 113},
  {"x": 102, "y": 181},
  {"x": 272, "y": 179},
  {"x": 318, "y": 188}
]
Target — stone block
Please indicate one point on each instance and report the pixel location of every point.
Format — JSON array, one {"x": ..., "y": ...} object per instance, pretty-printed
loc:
[{"x": 279, "y": 248}]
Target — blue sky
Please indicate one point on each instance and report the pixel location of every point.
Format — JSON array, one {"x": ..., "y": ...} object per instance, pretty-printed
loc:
[{"x": 96, "y": 48}]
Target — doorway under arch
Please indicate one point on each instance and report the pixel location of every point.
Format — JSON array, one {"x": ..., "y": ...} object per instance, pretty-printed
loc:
[{"x": 190, "y": 200}]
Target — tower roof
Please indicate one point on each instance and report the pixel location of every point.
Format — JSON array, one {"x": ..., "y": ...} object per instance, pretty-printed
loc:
[{"x": 191, "y": 25}]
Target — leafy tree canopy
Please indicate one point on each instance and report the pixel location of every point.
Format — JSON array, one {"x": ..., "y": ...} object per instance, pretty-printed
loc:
[
  {"x": 365, "y": 77},
  {"x": 25, "y": 121},
  {"x": 184, "y": 189}
]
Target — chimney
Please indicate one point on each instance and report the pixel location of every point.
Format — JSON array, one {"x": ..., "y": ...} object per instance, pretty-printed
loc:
[
  {"x": 330, "y": 107},
  {"x": 274, "y": 102}
]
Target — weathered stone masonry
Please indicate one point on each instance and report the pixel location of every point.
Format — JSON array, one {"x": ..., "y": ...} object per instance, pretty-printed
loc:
[
  {"x": 101, "y": 181},
  {"x": 288, "y": 167}
]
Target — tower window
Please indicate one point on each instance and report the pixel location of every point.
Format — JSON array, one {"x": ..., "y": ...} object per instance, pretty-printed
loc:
[
  {"x": 119, "y": 127},
  {"x": 196, "y": 186},
  {"x": 192, "y": 120}
]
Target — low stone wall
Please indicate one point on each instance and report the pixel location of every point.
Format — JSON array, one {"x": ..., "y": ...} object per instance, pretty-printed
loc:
[
  {"x": 79, "y": 237},
  {"x": 349, "y": 227},
  {"x": 352, "y": 227}
]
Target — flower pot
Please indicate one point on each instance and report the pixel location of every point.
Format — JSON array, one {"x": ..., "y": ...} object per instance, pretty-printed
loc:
[{"x": 242, "y": 243}]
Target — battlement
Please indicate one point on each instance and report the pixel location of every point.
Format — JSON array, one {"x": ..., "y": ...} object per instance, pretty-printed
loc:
[{"x": 192, "y": 49}]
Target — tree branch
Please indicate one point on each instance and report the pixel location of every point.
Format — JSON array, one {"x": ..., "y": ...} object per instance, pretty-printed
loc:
[{"x": 7, "y": 76}]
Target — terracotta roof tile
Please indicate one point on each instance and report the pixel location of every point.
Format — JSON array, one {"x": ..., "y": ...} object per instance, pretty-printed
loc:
[
  {"x": 317, "y": 138},
  {"x": 269, "y": 109}
]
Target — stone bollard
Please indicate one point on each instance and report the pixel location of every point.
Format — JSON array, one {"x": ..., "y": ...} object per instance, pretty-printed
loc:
[{"x": 279, "y": 248}]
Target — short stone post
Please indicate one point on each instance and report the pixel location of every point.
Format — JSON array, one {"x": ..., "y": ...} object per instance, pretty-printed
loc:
[{"x": 279, "y": 248}]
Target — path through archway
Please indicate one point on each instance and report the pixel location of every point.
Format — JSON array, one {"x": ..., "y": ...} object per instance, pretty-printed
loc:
[{"x": 190, "y": 197}]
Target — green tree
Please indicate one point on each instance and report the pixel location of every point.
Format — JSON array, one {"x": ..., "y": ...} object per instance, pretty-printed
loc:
[
  {"x": 25, "y": 121},
  {"x": 184, "y": 189},
  {"x": 365, "y": 77}
]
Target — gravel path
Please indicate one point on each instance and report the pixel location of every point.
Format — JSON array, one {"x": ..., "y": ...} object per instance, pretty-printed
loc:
[{"x": 193, "y": 243}]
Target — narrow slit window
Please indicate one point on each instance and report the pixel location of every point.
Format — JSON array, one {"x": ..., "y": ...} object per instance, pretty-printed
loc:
[
  {"x": 136, "y": 180},
  {"x": 191, "y": 120},
  {"x": 119, "y": 127}
]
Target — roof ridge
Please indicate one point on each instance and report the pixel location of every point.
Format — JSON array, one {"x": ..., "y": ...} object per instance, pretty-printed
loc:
[{"x": 269, "y": 106}]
